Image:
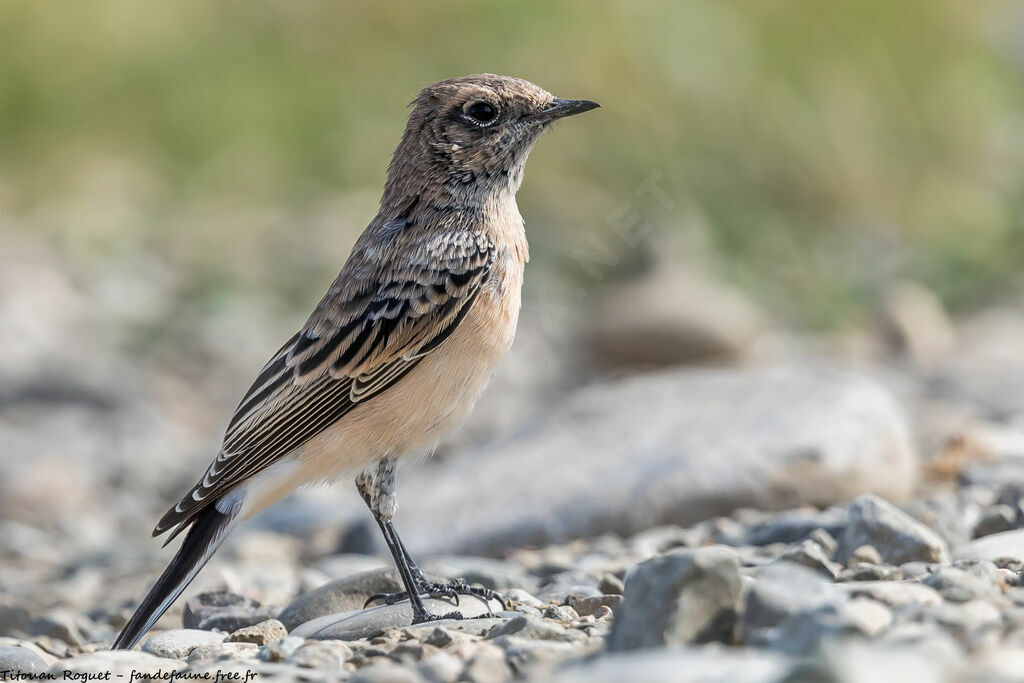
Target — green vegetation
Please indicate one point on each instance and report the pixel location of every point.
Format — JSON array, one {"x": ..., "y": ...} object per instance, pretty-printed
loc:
[{"x": 825, "y": 147}]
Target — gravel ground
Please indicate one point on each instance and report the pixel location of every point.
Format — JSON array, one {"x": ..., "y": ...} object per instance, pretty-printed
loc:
[{"x": 931, "y": 591}]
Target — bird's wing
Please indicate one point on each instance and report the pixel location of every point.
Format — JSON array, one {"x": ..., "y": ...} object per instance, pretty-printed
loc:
[{"x": 371, "y": 328}]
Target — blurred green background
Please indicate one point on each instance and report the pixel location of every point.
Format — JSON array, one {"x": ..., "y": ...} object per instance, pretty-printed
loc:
[{"x": 814, "y": 151}]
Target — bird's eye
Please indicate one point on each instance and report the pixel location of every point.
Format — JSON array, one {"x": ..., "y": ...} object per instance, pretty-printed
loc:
[{"x": 481, "y": 113}]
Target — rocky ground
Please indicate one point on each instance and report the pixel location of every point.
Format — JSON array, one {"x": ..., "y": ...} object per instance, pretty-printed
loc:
[{"x": 805, "y": 510}]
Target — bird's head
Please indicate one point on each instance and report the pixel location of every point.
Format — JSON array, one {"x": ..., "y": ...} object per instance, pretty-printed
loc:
[{"x": 474, "y": 133}]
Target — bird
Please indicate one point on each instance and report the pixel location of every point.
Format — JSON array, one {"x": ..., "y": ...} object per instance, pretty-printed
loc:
[{"x": 400, "y": 347}]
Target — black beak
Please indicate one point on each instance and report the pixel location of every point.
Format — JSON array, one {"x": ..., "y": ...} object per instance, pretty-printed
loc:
[{"x": 561, "y": 108}]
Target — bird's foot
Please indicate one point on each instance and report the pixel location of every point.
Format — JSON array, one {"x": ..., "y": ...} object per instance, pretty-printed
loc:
[{"x": 433, "y": 589}]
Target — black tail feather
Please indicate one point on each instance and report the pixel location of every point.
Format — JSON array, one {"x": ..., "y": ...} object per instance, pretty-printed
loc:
[{"x": 208, "y": 531}]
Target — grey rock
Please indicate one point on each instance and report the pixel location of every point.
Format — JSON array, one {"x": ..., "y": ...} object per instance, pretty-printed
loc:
[
  {"x": 518, "y": 595},
  {"x": 14, "y": 617},
  {"x": 259, "y": 634},
  {"x": 223, "y": 611},
  {"x": 561, "y": 613},
  {"x": 386, "y": 672},
  {"x": 972, "y": 580},
  {"x": 691, "y": 665},
  {"x": 21, "y": 660},
  {"x": 791, "y": 526},
  {"x": 532, "y": 628},
  {"x": 996, "y": 519},
  {"x": 115, "y": 663},
  {"x": 560, "y": 594},
  {"x": 668, "y": 447},
  {"x": 865, "y": 571},
  {"x": 897, "y": 536},
  {"x": 826, "y": 540},
  {"x": 279, "y": 650},
  {"x": 341, "y": 595},
  {"x": 487, "y": 666},
  {"x": 611, "y": 585},
  {"x": 327, "y": 654},
  {"x": 222, "y": 652},
  {"x": 522, "y": 653},
  {"x": 779, "y": 591},
  {"x": 996, "y": 547},
  {"x": 811, "y": 555},
  {"x": 367, "y": 623},
  {"x": 74, "y": 629},
  {"x": 893, "y": 593},
  {"x": 804, "y": 631},
  {"x": 687, "y": 596},
  {"x": 441, "y": 667},
  {"x": 865, "y": 554},
  {"x": 671, "y": 315},
  {"x": 179, "y": 643},
  {"x": 584, "y": 607}
]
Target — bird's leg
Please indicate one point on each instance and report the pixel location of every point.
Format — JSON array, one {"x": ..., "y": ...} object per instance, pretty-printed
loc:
[{"x": 378, "y": 491}]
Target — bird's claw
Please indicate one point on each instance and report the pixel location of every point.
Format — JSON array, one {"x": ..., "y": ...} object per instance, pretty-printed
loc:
[{"x": 434, "y": 589}]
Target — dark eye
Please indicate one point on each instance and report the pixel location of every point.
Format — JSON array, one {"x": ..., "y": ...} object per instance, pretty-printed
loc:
[{"x": 481, "y": 112}]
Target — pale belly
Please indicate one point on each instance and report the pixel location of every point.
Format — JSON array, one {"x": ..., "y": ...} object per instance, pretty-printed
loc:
[{"x": 413, "y": 415}]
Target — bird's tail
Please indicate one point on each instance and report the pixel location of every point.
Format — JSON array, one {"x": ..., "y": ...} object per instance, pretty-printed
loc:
[{"x": 208, "y": 531}]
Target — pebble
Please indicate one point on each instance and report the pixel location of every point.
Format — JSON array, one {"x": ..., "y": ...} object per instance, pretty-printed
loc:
[
  {"x": 686, "y": 596},
  {"x": 532, "y": 628},
  {"x": 259, "y": 634},
  {"x": 346, "y": 594},
  {"x": 179, "y": 643},
  {"x": 327, "y": 654},
  {"x": 21, "y": 660},
  {"x": 896, "y": 536}
]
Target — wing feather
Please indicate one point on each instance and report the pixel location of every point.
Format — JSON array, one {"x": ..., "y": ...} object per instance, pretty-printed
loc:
[{"x": 371, "y": 329}]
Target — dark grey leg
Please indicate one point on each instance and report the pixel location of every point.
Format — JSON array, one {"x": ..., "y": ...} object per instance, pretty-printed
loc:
[{"x": 378, "y": 491}]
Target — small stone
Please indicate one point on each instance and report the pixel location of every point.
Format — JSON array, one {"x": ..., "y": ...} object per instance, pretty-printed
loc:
[
  {"x": 865, "y": 571},
  {"x": 779, "y": 591},
  {"x": 611, "y": 584},
  {"x": 179, "y": 643},
  {"x": 522, "y": 653},
  {"x": 385, "y": 672},
  {"x": 259, "y": 634},
  {"x": 587, "y": 606},
  {"x": 532, "y": 628},
  {"x": 893, "y": 593},
  {"x": 967, "y": 581},
  {"x": 326, "y": 654},
  {"x": 224, "y": 611},
  {"x": 442, "y": 667},
  {"x": 811, "y": 555},
  {"x": 222, "y": 652},
  {"x": 20, "y": 660},
  {"x": 487, "y": 666},
  {"x": 114, "y": 664},
  {"x": 560, "y": 613},
  {"x": 518, "y": 595},
  {"x": 897, "y": 536},
  {"x": 916, "y": 570},
  {"x": 994, "y": 520},
  {"x": 440, "y": 637},
  {"x": 827, "y": 542},
  {"x": 867, "y": 554},
  {"x": 63, "y": 625},
  {"x": 279, "y": 650},
  {"x": 686, "y": 596}
]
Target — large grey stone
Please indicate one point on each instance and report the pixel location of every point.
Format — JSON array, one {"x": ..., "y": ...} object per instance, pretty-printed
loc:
[
  {"x": 21, "y": 660},
  {"x": 670, "y": 447},
  {"x": 778, "y": 592},
  {"x": 367, "y": 623},
  {"x": 341, "y": 595},
  {"x": 897, "y": 536},
  {"x": 1008, "y": 544},
  {"x": 687, "y": 596}
]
